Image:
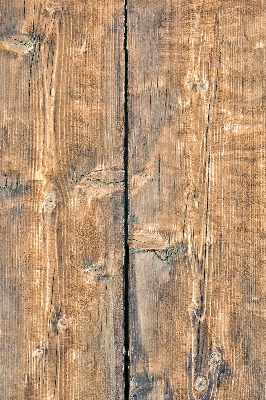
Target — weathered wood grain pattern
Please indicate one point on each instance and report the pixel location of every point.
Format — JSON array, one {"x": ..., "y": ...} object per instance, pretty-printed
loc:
[
  {"x": 61, "y": 194},
  {"x": 197, "y": 199}
]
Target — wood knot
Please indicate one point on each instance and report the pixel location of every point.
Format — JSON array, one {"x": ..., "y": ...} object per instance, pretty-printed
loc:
[
  {"x": 38, "y": 352},
  {"x": 215, "y": 360},
  {"x": 63, "y": 325},
  {"x": 200, "y": 383},
  {"x": 194, "y": 83},
  {"x": 50, "y": 202},
  {"x": 19, "y": 44}
]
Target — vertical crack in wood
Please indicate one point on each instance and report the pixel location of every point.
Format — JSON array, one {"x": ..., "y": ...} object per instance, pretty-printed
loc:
[{"x": 126, "y": 216}]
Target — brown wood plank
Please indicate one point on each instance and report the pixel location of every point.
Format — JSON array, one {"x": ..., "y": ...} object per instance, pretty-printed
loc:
[
  {"x": 197, "y": 199},
  {"x": 61, "y": 194}
]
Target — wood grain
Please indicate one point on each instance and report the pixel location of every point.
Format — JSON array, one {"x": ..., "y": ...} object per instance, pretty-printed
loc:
[
  {"x": 196, "y": 113},
  {"x": 197, "y": 199},
  {"x": 61, "y": 194}
]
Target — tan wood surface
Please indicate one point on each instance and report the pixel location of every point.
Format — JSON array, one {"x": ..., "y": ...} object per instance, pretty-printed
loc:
[
  {"x": 197, "y": 199},
  {"x": 61, "y": 194}
]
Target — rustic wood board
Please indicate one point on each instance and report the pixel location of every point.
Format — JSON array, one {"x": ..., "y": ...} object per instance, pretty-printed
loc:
[
  {"x": 196, "y": 107},
  {"x": 196, "y": 81},
  {"x": 61, "y": 193}
]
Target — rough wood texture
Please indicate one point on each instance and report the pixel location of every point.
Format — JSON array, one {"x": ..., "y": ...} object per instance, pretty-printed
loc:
[
  {"x": 197, "y": 199},
  {"x": 61, "y": 193},
  {"x": 197, "y": 234}
]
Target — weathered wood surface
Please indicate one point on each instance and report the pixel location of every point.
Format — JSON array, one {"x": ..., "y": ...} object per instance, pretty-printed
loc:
[
  {"x": 196, "y": 112},
  {"x": 197, "y": 199},
  {"x": 61, "y": 194}
]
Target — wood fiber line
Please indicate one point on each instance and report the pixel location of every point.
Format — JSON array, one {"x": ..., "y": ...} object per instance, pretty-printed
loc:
[
  {"x": 62, "y": 199},
  {"x": 197, "y": 199}
]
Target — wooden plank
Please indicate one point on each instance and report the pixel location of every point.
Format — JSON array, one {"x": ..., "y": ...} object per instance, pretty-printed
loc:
[
  {"x": 61, "y": 194},
  {"x": 197, "y": 199}
]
